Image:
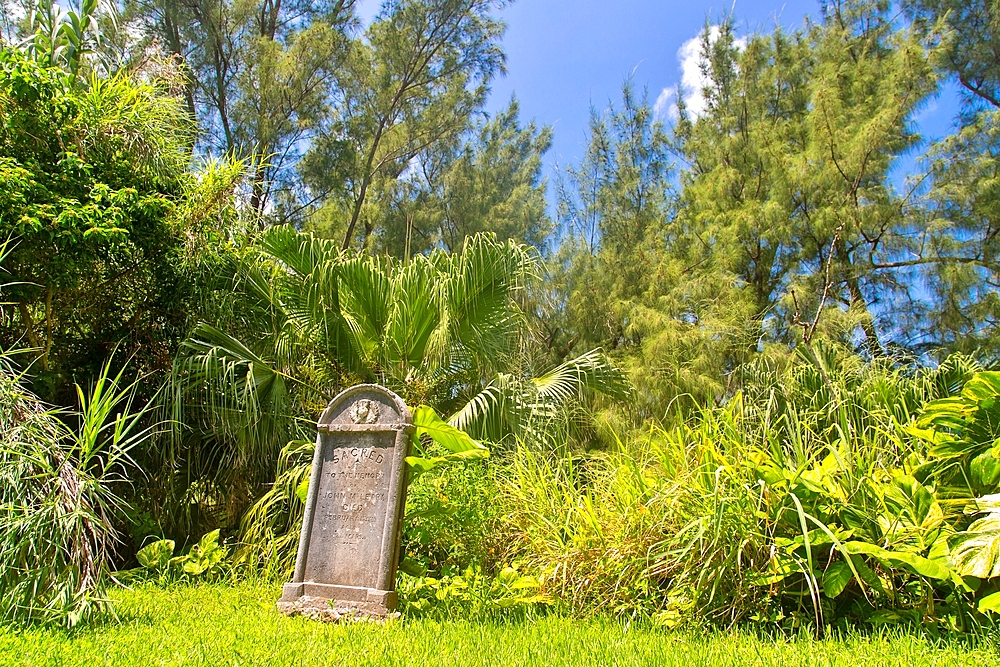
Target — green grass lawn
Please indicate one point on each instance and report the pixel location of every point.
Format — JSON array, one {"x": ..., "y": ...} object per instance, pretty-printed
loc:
[{"x": 238, "y": 625}]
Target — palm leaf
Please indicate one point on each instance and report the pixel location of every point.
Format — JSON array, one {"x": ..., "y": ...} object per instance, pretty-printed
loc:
[
  {"x": 304, "y": 254},
  {"x": 238, "y": 394},
  {"x": 591, "y": 371},
  {"x": 537, "y": 408},
  {"x": 413, "y": 334},
  {"x": 365, "y": 306}
]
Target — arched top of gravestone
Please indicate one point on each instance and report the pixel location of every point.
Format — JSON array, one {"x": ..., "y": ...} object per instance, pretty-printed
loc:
[{"x": 365, "y": 406}]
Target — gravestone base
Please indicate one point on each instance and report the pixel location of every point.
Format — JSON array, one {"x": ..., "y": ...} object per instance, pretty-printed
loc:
[
  {"x": 330, "y": 602},
  {"x": 334, "y": 611}
]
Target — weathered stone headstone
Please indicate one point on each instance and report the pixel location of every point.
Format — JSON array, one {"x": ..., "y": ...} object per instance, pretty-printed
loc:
[{"x": 353, "y": 517}]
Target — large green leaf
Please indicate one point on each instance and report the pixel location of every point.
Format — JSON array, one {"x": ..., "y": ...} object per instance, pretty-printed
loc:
[
  {"x": 426, "y": 464},
  {"x": 990, "y": 603},
  {"x": 836, "y": 578},
  {"x": 975, "y": 552},
  {"x": 204, "y": 557},
  {"x": 429, "y": 423},
  {"x": 914, "y": 502},
  {"x": 894, "y": 559},
  {"x": 156, "y": 556},
  {"x": 985, "y": 469},
  {"x": 461, "y": 445}
]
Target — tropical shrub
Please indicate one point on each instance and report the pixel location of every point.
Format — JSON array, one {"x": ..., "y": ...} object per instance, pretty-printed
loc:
[
  {"x": 963, "y": 463},
  {"x": 317, "y": 321},
  {"x": 813, "y": 505},
  {"x": 89, "y": 179},
  {"x": 451, "y": 521},
  {"x": 205, "y": 559},
  {"x": 58, "y": 504}
]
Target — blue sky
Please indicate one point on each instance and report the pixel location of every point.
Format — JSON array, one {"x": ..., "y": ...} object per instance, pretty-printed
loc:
[
  {"x": 563, "y": 56},
  {"x": 566, "y": 55}
]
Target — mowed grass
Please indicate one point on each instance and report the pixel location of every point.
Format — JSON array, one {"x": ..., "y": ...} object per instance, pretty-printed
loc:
[{"x": 238, "y": 625}]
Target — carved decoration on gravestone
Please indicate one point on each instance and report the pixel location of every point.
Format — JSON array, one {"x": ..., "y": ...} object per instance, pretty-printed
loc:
[{"x": 352, "y": 524}]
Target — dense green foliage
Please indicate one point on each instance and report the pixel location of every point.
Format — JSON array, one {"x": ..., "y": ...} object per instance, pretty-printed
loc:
[
  {"x": 745, "y": 378},
  {"x": 798, "y": 502},
  {"x": 88, "y": 181},
  {"x": 59, "y": 512}
]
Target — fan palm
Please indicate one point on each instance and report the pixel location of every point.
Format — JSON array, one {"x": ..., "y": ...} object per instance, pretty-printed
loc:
[
  {"x": 539, "y": 409},
  {"x": 317, "y": 319},
  {"x": 440, "y": 329}
]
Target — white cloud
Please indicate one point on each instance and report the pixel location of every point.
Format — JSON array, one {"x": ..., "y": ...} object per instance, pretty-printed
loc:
[
  {"x": 693, "y": 80},
  {"x": 665, "y": 107}
]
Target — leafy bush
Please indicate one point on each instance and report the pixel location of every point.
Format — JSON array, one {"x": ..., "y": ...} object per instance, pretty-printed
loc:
[
  {"x": 89, "y": 180},
  {"x": 451, "y": 521},
  {"x": 813, "y": 505},
  {"x": 471, "y": 594},
  {"x": 206, "y": 559},
  {"x": 441, "y": 329}
]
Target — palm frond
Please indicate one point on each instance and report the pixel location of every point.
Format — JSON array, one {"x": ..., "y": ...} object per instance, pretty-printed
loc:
[
  {"x": 414, "y": 336},
  {"x": 484, "y": 279},
  {"x": 591, "y": 371},
  {"x": 302, "y": 254},
  {"x": 538, "y": 409},
  {"x": 365, "y": 306},
  {"x": 231, "y": 391},
  {"x": 493, "y": 412}
]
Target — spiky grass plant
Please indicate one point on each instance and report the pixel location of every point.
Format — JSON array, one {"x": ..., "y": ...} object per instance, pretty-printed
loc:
[{"x": 57, "y": 507}]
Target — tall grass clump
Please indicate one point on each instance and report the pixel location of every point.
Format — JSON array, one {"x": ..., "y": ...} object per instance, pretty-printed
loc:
[
  {"x": 57, "y": 504},
  {"x": 586, "y": 523}
]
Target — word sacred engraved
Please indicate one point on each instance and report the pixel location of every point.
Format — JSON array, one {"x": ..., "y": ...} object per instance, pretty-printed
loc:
[{"x": 358, "y": 455}]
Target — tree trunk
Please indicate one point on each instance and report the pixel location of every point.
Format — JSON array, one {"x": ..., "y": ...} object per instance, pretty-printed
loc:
[{"x": 858, "y": 301}]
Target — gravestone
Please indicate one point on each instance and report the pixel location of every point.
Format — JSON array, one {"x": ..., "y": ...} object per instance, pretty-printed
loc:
[{"x": 352, "y": 525}]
